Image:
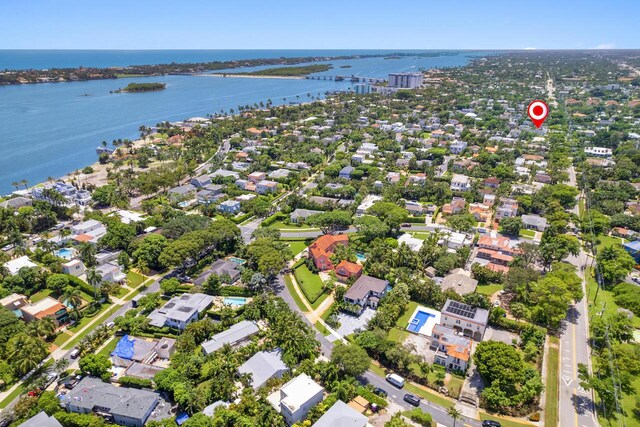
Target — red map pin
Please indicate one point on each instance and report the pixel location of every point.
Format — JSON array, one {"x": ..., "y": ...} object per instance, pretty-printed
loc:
[{"x": 538, "y": 112}]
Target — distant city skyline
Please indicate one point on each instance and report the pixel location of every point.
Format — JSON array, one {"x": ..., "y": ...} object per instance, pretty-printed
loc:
[{"x": 288, "y": 24}]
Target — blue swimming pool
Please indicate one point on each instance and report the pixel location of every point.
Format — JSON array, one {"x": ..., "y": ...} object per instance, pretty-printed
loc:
[
  {"x": 65, "y": 253},
  {"x": 418, "y": 321},
  {"x": 360, "y": 256},
  {"x": 235, "y": 301},
  {"x": 238, "y": 261}
]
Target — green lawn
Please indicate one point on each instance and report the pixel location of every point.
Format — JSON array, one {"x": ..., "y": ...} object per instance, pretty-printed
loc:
[
  {"x": 454, "y": 386},
  {"x": 310, "y": 284},
  {"x": 39, "y": 296},
  {"x": 107, "y": 349},
  {"x": 61, "y": 338},
  {"x": 527, "y": 233},
  {"x": 280, "y": 225},
  {"x": 294, "y": 294},
  {"x": 608, "y": 241},
  {"x": 427, "y": 395},
  {"x": 320, "y": 300},
  {"x": 552, "y": 397},
  {"x": 420, "y": 235},
  {"x": 101, "y": 318},
  {"x": 297, "y": 247},
  {"x": 604, "y": 300},
  {"x": 399, "y": 333},
  {"x": 135, "y": 279},
  {"x": 489, "y": 289},
  {"x": 15, "y": 393}
]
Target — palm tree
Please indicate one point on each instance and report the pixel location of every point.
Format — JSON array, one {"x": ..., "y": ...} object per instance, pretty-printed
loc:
[
  {"x": 72, "y": 297},
  {"x": 454, "y": 413},
  {"x": 95, "y": 279},
  {"x": 26, "y": 352},
  {"x": 15, "y": 184},
  {"x": 88, "y": 254},
  {"x": 42, "y": 328},
  {"x": 24, "y": 182}
]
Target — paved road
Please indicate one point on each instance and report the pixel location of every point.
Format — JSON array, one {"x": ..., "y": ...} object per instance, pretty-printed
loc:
[
  {"x": 395, "y": 395},
  {"x": 576, "y": 406}
]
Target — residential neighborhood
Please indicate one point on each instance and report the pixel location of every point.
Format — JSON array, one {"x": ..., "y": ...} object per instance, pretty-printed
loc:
[{"x": 298, "y": 265}]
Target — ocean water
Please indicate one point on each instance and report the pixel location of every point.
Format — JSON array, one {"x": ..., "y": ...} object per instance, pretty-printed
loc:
[
  {"x": 51, "y": 129},
  {"x": 44, "y": 59}
]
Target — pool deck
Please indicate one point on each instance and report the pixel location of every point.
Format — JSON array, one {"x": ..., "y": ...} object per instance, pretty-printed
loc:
[{"x": 427, "y": 328}]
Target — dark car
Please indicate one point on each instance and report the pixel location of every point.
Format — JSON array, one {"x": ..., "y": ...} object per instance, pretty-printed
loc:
[
  {"x": 411, "y": 399},
  {"x": 380, "y": 391},
  {"x": 406, "y": 224},
  {"x": 490, "y": 423}
]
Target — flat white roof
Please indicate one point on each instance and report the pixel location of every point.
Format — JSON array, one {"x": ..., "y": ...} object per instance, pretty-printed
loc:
[
  {"x": 16, "y": 264},
  {"x": 299, "y": 390}
]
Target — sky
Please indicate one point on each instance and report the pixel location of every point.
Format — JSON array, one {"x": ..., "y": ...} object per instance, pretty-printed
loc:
[{"x": 326, "y": 24}]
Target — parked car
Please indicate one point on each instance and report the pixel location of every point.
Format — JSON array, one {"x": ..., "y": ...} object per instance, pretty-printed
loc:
[
  {"x": 405, "y": 224},
  {"x": 380, "y": 391},
  {"x": 411, "y": 399},
  {"x": 75, "y": 353},
  {"x": 110, "y": 325},
  {"x": 396, "y": 380},
  {"x": 490, "y": 423}
]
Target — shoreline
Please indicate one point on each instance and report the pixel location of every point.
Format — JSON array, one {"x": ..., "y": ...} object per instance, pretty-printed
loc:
[{"x": 249, "y": 76}]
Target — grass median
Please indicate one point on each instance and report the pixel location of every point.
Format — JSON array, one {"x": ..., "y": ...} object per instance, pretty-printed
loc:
[{"x": 552, "y": 397}]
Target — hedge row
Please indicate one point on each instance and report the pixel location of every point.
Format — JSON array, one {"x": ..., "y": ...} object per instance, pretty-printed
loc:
[
  {"x": 241, "y": 218},
  {"x": 514, "y": 326},
  {"x": 135, "y": 382},
  {"x": 278, "y": 216},
  {"x": 416, "y": 219}
]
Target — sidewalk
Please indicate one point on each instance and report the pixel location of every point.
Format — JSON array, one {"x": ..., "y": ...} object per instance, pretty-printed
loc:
[{"x": 60, "y": 351}]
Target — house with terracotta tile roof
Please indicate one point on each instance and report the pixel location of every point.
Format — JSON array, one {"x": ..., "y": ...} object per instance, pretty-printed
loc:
[
  {"x": 452, "y": 351},
  {"x": 347, "y": 270},
  {"x": 47, "y": 307},
  {"x": 322, "y": 249},
  {"x": 456, "y": 206}
]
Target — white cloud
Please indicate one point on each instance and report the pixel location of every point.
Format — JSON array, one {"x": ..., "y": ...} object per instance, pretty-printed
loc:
[
  {"x": 529, "y": 48},
  {"x": 605, "y": 46}
]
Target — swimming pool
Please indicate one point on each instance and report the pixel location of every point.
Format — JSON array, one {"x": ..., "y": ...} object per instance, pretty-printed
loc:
[
  {"x": 419, "y": 321},
  {"x": 238, "y": 261},
  {"x": 423, "y": 320},
  {"x": 360, "y": 256},
  {"x": 66, "y": 253},
  {"x": 235, "y": 300}
]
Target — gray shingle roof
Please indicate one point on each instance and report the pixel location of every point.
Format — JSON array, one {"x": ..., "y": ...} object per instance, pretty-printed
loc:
[
  {"x": 41, "y": 419},
  {"x": 365, "y": 284},
  {"x": 236, "y": 333},
  {"x": 263, "y": 366},
  {"x": 123, "y": 401},
  {"x": 341, "y": 415}
]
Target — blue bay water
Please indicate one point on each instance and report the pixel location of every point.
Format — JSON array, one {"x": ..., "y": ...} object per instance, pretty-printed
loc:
[{"x": 52, "y": 129}]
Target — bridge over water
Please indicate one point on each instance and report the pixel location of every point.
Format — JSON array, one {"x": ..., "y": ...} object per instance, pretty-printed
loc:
[{"x": 352, "y": 78}]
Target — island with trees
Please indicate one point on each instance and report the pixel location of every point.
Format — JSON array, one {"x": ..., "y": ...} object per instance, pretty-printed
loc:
[
  {"x": 142, "y": 87},
  {"x": 285, "y": 71}
]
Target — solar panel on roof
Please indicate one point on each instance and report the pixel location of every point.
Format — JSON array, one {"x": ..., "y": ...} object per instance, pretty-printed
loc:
[{"x": 460, "y": 309}]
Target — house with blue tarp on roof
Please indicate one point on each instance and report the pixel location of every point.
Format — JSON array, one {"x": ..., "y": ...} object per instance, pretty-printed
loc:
[
  {"x": 142, "y": 357},
  {"x": 633, "y": 248}
]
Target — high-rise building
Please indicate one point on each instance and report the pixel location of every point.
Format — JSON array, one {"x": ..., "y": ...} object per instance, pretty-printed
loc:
[{"x": 405, "y": 80}]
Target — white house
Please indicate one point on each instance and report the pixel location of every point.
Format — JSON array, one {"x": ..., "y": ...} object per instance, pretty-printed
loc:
[
  {"x": 460, "y": 183},
  {"x": 15, "y": 265},
  {"x": 296, "y": 398},
  {"x": 471, "y": 321}
]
